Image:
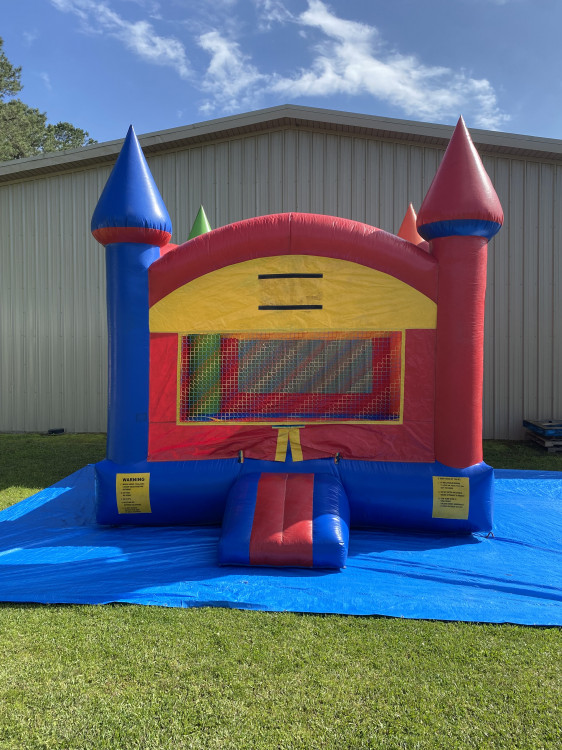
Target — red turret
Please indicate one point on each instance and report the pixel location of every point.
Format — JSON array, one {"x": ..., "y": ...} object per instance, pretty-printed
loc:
[{"x": 460, "y": 213}]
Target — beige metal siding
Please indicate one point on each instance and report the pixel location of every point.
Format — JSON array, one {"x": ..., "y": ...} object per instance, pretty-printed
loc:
[
  {"x": 52, "y": 311},
  {"x": 523, "y": 377},
  {"x": 52, "y": 323},
  {"x": 294, "y": 171}
]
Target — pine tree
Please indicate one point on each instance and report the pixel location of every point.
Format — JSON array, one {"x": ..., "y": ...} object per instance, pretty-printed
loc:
[{"x": 24, "y": 131}]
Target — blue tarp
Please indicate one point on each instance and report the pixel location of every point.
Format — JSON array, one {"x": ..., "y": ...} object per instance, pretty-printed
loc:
[{"x": 51, "y": 551}]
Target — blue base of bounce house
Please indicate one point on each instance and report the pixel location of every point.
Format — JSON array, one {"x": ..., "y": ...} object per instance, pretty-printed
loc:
[
  {"x": 52, "y": 551},
  {"x": 381, "y": 495}
]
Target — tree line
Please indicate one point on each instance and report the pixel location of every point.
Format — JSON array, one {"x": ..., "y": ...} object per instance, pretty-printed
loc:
[{"x": 24, "y": 130}]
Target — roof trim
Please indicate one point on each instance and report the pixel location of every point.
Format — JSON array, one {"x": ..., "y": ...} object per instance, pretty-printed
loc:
[{"x": 278, "y": 118}]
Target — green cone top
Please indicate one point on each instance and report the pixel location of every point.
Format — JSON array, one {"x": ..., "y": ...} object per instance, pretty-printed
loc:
[{"x": 200, "y": 225}]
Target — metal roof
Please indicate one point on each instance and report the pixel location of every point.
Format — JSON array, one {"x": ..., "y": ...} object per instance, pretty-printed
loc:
[{"x": 278, "y": 118}]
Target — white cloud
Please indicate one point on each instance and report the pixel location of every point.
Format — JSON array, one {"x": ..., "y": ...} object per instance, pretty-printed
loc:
[
  {"x": 30, "y": 36},
  {"x": 138, "y": 36},
  {"x": 351, "y": 59},
  {"x": 152, "y": 7},
  {"x": 271, "y": 12},
  {"x": 231, "y": 80},
  {"x": 72, "y": 6},
  {"x": 46, "y": 80},
  {"x": 346, "y": 58}
]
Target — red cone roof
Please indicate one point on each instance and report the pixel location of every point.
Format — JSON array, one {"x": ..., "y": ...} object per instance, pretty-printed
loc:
[{"x": 461, "y": 189}]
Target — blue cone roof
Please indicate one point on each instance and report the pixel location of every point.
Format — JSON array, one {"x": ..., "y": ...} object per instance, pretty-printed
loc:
[{"x": 130, "y": 208}]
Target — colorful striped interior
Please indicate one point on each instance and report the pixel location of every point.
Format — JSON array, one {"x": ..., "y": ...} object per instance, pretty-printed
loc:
[{"x": 296, "y": 377}]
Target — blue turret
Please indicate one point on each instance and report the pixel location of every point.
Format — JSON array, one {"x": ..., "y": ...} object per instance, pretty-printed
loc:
[
  {"x": 130, "y": 208},
  {"x": 131, "y": 220}
]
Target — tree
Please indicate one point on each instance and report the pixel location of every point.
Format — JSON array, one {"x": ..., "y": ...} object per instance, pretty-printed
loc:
[
  {"x": 24, "y": 131},
  {"x": 10, "y": 77}
]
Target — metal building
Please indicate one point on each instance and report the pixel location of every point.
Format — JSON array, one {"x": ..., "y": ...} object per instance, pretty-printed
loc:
[{"x": 53, "y": 357}]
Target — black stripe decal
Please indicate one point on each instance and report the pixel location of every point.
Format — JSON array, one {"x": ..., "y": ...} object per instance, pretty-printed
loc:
[
  {"x": 290, "y": 307},
  {"x": 290, "y": 276}
]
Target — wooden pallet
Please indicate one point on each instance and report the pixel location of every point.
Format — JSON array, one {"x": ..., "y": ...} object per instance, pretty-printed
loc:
[
  {"x": 552, "y": 445},
  {"x": 549, "y": 428}
]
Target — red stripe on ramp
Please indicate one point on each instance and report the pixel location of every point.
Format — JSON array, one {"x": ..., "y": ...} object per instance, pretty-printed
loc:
[{"x": 282, "y": 528}]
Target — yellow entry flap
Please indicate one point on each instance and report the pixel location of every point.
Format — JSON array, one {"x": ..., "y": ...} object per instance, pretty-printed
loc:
[{"x": 286, "y": 436}]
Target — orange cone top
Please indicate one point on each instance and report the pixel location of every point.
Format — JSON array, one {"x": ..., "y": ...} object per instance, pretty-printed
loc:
[{"x": 408, "y": 230}]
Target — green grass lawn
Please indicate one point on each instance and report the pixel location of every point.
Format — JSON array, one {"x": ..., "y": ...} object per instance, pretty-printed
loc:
[
  {"x": 511, "y": 454},
  {"x": 123, "y": 676},
  {"x": 31, "y": 462}
]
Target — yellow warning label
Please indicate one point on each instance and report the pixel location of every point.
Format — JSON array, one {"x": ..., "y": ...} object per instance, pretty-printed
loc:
[
  {"x": 451, "y": 497},
  {"x": 133, "y": 494}
]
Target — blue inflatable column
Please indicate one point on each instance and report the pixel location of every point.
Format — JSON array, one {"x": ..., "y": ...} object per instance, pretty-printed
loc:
[{"x": 132, "y": 222}]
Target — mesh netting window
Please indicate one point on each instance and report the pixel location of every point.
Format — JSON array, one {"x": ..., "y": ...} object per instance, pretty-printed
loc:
[{"x": 297, "y": 377}]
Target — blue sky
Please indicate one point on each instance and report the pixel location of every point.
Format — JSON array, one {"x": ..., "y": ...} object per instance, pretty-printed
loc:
[{"x": 103, "y": 64}]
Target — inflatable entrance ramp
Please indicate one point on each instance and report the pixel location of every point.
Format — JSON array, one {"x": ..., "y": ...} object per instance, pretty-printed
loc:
[{"x": 292, "y": 520}]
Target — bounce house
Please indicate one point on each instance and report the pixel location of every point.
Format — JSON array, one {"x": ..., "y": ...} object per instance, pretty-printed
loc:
[{"x": 292, "y": 376}]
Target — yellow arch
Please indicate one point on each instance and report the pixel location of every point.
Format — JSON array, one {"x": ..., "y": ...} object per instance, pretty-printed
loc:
[{"x": 340, "y": 296}]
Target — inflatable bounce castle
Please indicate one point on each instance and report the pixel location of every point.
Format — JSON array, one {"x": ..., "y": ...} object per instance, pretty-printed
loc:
[{"x": 291, "y": 376}]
